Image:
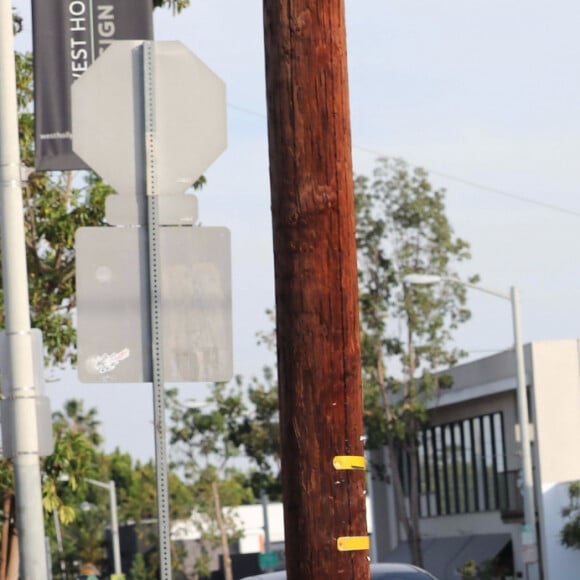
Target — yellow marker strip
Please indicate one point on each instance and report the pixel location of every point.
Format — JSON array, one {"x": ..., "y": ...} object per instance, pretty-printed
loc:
[
  {"x": 349, "y": 462},
  {"x": 351, "y": 543}
]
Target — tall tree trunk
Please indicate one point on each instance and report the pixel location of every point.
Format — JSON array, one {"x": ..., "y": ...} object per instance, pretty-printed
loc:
[
  {"x": 12, "y": 573},
  {"x": 397, "y": 483},
  {"x": 318, "y": 335},
  {"x": 223, "y": 532},
  {"x": 414, "y": 498},
  {"x": 7, "y": 511},
  {"x": 9, "y": 565},
  {"x": 407, "y": 512},
  {"x": 407, "y": 509},
  {"x": 411, "y": 436}
]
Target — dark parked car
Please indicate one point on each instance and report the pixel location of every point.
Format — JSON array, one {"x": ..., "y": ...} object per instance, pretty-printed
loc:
[{"x": 382, "y": 571}]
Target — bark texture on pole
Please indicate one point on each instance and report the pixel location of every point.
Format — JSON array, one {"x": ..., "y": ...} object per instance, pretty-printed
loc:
[{"x": 316, "y": 286}]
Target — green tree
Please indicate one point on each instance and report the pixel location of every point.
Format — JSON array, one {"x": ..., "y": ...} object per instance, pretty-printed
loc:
[
  {"x": 74, "y": 532},
  {"x": 74, "y": 458},
  {"x": 402, "y": 228},
  {"x": 570, "y": 533},
  {"x": 78, "y": 420},
  {"x": 55, "y": 205},
  {"x": 83, "y": 509},
  {"x": 258, "y": 434},
  {"x": 138, "y": 569},
  {"x": 176, "y": 5},
  {"x": 136, "y": 485},
  {"x": 202, "y": 449}
]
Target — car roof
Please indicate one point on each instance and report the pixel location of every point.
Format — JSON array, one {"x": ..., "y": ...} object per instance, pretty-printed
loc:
[
  {"x": 377, "y": 571},
  {"x": 393, "y": 567}
]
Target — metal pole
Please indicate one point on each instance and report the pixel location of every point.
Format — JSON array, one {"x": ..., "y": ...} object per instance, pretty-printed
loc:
[
  {"x": 267, "y": 544},
  {"x": 111, "y": 488},
  {"x": 59, "y": 545},
  {"x": 522, "y": 404},
  {"x": 370, "y": 494},
  {"x": 20, "y": 386},
  {"x": 152, "y": 192},
  {"x": 115, "y": 528}
]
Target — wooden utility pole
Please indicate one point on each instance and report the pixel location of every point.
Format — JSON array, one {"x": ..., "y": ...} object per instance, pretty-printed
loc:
[{"x": 319, "y": 368}]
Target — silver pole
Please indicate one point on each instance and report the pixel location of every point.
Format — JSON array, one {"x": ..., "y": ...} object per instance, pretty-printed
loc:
[
  {"x": 526, "y": 452},
  {"x": 59, "y": 545},
  {"x": 371, "y": 495},
  {"x": 267, "y": 544},
  {"x": 152, "y": 192},
  {"x": 115, "y": 528},
  {"x": 20, "y": 384},
  {"x": 111, "y": 488}
]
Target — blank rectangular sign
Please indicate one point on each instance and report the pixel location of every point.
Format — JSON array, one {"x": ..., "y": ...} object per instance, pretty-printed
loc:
[{"x": 114, "y": 319}]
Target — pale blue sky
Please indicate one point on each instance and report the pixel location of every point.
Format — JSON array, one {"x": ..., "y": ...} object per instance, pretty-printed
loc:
[{"x": 486, "y": 91}]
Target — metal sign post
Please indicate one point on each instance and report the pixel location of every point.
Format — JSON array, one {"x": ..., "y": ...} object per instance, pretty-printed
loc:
[{"x": 152, "y": 193}]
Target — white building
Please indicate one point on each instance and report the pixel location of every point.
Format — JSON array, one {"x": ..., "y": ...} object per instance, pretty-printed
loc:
[
  {"x": 249, "y": 519},
  {"x": 471, "y": 506}
]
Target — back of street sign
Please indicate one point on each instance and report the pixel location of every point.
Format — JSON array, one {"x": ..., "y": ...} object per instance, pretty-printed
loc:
[
  {"x": 114, "y": 336},
  {"x": 189, "y": 112}
]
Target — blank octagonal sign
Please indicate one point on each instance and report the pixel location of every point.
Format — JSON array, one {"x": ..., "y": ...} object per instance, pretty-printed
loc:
[{"x": 108, "y": 120}]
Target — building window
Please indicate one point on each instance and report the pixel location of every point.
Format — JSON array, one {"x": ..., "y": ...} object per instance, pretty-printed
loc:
[{"x": 462, "y": 466}]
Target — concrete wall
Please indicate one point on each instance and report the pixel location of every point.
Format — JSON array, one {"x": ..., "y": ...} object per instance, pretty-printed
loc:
[
  {"x": 489, "y": 369},
  {"x": 559, "y": 562},
  {"x": 556, "y": 409}
]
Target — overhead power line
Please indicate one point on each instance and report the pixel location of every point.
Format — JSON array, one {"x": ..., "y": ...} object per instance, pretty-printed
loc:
[
  {"x": 462, "y": 180},
  {"x": 495, "y": 190}
]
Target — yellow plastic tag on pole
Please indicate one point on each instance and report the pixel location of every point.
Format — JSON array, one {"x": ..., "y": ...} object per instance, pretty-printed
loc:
[
  {"x": 349, "y": 462},
  {"x": 351, "y": 543}
]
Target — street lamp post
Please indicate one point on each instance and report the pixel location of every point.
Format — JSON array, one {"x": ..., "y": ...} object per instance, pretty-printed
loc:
[
  {"x": 529, "y": 529},
  {"x": 18, "y": 383},
  {"x": 110, "y": 487}
]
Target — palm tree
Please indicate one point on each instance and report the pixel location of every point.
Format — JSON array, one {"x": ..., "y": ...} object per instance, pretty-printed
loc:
[{"x": 77, "y": 420}]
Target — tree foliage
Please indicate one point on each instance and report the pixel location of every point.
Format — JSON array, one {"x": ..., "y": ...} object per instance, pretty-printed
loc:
[
  {"x": 570, "y": 533},
  {"x": 83, "y": 509},
  {"x": 74, "y": 459},
  {"x": 402, "y": 229},
  {"x": 203, "y": 449},
  {"x": 258, "y": 435},
  {"x": 139, "y": 569},
  {"x": 55, "y": 206},
  {"x": 176, "y": 5}
]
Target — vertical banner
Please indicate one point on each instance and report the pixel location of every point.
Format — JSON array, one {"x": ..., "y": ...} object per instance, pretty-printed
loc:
[{"x": 68, "y": 36}]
